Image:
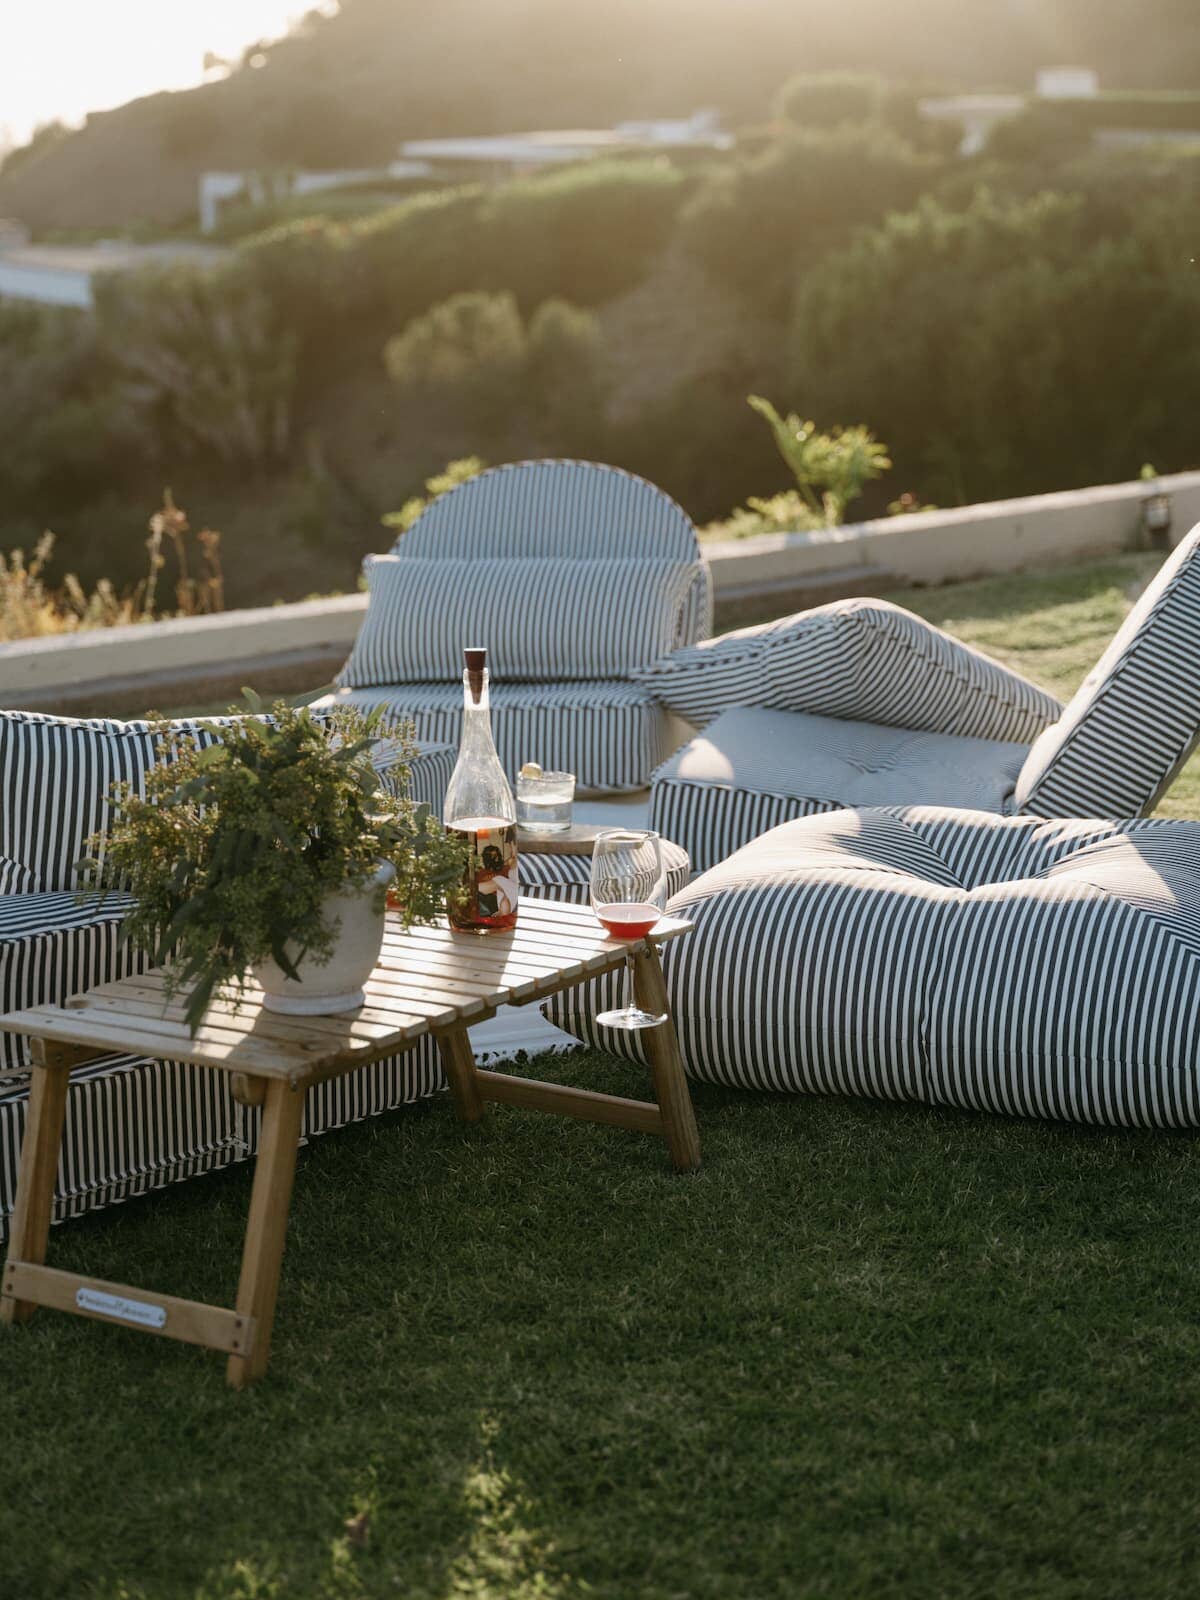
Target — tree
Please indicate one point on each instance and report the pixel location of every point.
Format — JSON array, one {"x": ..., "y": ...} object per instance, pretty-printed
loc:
[{"x": 1005, "y": 349}]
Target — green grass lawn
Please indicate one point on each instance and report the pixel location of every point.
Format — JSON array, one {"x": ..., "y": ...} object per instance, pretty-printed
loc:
[{"x": 869, "y": 1350}]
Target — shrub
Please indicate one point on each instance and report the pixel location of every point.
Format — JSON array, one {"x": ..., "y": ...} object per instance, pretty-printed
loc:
[
  {"x": 827, "y": 99},
  {"x": 502, "y": 377},
  {"x": 210, "y": 366},
  {"x": 588, "y": 231},
  {"x": 1003, "y": 349},
  {"x": 64, "y": 425},
  {"x": 756, "y": 223}
]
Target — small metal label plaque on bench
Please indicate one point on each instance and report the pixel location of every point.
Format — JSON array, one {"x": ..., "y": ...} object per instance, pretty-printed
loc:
[{"x": 116, "y": 1305}]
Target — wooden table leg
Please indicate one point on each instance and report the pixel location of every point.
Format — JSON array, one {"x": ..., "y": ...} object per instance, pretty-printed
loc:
[
  {"x": 666, "y": 1064},
  {"x": 266, "y": 1227},
  {"x": 459, "y": 1061},
  {"x": 39, "y": 1166}
]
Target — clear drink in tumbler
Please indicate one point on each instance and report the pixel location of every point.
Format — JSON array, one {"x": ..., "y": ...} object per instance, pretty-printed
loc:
[{"x": 544, "y": 799}]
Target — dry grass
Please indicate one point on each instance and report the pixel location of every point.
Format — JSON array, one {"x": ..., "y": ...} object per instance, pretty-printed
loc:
[{"x": 31, "y": 608}]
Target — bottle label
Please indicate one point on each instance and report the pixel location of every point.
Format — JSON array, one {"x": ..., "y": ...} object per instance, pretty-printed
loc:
[{"x": 491, "y": 881}]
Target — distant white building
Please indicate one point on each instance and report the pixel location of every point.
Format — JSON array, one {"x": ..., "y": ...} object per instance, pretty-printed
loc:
[
  {"x": 62, "y": 275},
  {"x": 501, "y": 154},
  {"x": 264, "y": 188},
  {"x": 1067, "y": 83},
  {"x": 976, "y": 115},
  {"x": 526, "y": 152}
]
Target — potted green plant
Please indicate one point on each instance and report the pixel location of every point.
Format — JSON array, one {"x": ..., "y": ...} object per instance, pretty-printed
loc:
[{"x": 269, "y": 852}]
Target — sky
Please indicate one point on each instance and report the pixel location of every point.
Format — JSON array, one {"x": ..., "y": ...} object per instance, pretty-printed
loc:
[{"x": 62, "y": 58}]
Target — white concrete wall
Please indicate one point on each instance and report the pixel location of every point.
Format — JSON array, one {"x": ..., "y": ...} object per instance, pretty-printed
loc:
[
  {"x": 157, "y": 650},
  {"x": 926, "y": 548},
  {"x": 967, "y": 542},
  {"x": 53, "y": 286}
]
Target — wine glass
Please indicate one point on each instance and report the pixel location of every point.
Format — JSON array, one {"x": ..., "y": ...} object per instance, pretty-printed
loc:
[{"x": 628, "y": 892}]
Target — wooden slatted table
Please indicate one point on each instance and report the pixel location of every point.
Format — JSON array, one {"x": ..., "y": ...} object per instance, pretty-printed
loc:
[{"x": 429, "y": 981}]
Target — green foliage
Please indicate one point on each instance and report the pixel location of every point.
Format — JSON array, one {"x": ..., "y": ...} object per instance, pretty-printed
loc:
[
  {"x": 499, "y": 374},
  {"x": 66, "y": 429},
  {"x": 456, "y": 472},
  {"x": 209, "y": 364},
  {"x": 788, "y": 512},
  {"x": 827, "y": 99},
  {"x": 1044, "y": 133},
  {"x": 585, "y": 232},
  {"x": 234, "y": 849},
  {"x": 759, "y": 221},
  {"x": 1004, "y": 349},
  {"x": 830, "y": 469}
]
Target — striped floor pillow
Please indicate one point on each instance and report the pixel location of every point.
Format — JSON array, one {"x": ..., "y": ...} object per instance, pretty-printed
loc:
[
  {"x": 862, "y": 659},
  {"x": 1039, "y": 968}
]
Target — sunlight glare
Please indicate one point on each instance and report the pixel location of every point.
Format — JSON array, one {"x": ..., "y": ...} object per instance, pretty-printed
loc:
[{"x": 64, "y": 58}]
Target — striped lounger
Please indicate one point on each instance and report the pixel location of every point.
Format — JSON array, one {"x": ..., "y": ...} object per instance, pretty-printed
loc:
[
  {"x": 859, "y": 703},
  {"x": 132, "y": 1124},
  {"x": 1010, "y": 964},
  {"x": 572, "y": 549}
]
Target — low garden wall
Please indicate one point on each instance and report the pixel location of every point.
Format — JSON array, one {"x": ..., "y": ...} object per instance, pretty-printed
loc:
[{"x": 281, "y": 649}]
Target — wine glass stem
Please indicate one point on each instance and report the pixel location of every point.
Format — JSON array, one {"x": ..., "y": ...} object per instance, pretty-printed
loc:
[{"x": 630, "y": 1001}]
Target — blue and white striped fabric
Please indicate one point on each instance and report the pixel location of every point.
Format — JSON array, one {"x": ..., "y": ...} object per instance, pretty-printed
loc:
[
  {"x": 753, "y": 768},
  {"x": 543, "y": 620},
  {"x": 1136, "y": 718},
  {"x": 863, "y": 659},
  {"x": 563, "y": 877},
  {"x": 52, "y": 947},
  {"x": 134, "y": 1125},
  {"x": 607, "y": 730},
  {"x": 1038, "y": 968},
  {"x": 611, "y": 734},
  {"x": 552, "y": 508},
  {"x": 56, "y": 774}
]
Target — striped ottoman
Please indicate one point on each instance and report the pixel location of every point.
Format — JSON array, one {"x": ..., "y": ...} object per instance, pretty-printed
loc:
[
  {"x": 563, "y": 877},
  {"x": 1036, "y": 967}
]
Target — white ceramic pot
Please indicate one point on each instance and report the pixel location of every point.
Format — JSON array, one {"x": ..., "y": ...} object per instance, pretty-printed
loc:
[{"x": 337, "y": 984}]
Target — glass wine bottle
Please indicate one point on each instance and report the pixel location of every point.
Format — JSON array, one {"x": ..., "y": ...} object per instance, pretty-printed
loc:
[{"x": 479, "y": 808}]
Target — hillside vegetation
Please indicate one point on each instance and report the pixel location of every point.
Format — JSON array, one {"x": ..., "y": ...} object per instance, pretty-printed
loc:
[
  {"x": 1026, "y": 320},
  {"x": 342, "y": 90}
]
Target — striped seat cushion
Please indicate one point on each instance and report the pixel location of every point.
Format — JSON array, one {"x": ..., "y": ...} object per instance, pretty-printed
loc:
[
  {"x": 1136, "y": 717},
  {"x": 610, "y": 734},
  {"x": 565, "y": 508},
  {"x": 866, "y": 660},
  {"x": 56, "y": 774},
  {"x": 753, "y": 768},
  {"x": 52, "y": 947},
  {"x": 1041, "y": 968},
  {"x": 134, "y": 1125},
  {"x": 542, "y": 619}
]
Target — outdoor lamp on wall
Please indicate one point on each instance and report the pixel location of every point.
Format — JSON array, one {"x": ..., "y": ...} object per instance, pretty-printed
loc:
[{"x": 1156, "y": 510}]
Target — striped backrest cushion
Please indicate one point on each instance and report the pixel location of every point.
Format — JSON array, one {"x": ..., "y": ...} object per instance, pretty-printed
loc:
[
  {"x": 1135, "y": 720},
  {"x": 564, "y": 508},
  {"x": 863, "y": 659},
  {"x": 541, "y": 620},
  {"x": 55, "y": 777}
]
